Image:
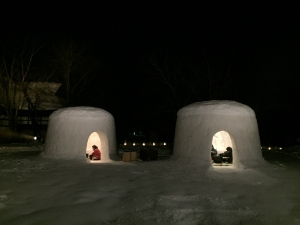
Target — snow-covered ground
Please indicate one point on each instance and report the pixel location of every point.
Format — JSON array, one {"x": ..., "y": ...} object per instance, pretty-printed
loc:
[{"x": 38, "y": 190}]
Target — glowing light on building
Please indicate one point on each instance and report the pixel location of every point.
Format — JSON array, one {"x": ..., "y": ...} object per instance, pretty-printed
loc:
[
  {"x": 125, "y": 143},
  {"x": 35, "y": 138},
  {"x": 143, "y": 144},
  {"x": 165, "y": 143},
  {"x": 133, "y": 144},
  {"x": 269, "y": 148},
  {"x": 153, "y": 143}
]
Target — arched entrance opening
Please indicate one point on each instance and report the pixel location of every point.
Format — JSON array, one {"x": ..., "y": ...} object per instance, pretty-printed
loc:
[
  {"x": 99, "y": 139},
  {"x": 222, "y": 145}
]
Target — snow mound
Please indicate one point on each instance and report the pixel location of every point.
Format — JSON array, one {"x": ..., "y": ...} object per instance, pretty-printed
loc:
[
  {"x": 217, "y": 107},
  {"x": 80, "y": 111},
  {"x": 226, "y": 123},
  {"x": 72, "y": 132}
]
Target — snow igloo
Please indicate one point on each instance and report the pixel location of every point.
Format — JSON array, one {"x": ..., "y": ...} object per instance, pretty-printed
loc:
[
  {"x": 72, "y": 132},
  {"x": 222, "y": 124}
]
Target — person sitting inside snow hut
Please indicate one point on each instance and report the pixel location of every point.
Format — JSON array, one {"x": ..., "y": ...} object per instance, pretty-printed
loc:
[
  {"x": 213, "y": 151},
  {"x": 96, "y": 155},
  {"x": 214, "y": 155},
  {"x": 227, "y": 155}
]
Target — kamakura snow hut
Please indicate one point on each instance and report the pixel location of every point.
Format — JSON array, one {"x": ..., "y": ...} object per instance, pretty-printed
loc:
[
  {"x": 72, "y": 132},
  {"x": 198, "y": 124}
]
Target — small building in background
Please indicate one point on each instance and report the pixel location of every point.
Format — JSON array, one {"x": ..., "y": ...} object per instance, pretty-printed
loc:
[{"x": 42, "y": 95}]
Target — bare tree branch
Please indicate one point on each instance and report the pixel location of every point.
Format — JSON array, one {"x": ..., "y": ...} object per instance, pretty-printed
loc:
[
  {"x": 184, "y": 83},
  {"x": 73, "y": 67},
  {"x": 14, "y": 73}
]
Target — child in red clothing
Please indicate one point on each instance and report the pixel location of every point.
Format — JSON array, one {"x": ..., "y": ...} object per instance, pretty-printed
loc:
[{"x": 96, "y": 155}]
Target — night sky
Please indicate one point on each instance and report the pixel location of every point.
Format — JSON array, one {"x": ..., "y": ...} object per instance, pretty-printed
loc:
[{"x": 258, "y": 39}]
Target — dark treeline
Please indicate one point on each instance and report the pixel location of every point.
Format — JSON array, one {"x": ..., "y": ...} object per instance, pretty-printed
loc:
[{"x": 145, "y": 87}]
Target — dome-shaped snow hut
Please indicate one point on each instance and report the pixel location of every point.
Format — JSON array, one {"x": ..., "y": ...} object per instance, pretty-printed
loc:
[
  {"x": 72, "y": 132},
  {"x": 201, "y": 124}
]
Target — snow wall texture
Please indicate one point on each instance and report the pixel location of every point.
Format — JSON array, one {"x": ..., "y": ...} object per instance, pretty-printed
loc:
[
  {"x": 197, "y": 123},
  {"x": 69, "y": 130}
]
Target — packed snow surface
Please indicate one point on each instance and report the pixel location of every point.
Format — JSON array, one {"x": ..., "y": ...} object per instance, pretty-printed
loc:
[{"x": 38, "y": 190}]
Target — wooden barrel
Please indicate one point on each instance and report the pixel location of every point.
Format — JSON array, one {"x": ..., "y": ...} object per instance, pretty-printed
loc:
[
  {"x": 126, "y": 156},
  {"x": 133, "y": 156}
]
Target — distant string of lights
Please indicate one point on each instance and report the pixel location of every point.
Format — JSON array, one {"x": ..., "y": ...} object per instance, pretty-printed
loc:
[{"x": 144, "y": 144}]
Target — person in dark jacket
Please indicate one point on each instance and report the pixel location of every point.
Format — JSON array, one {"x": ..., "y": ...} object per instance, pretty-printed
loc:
[
  {"x": 228, "y": 152},
  {"x": 227, "y": 155},
  {"x": 214, "y": 151}
]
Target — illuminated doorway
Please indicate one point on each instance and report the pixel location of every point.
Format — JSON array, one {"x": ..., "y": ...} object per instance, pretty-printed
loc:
[
  {"x": 221, "y": 141},
  {"x": 99, "y": 139}
]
